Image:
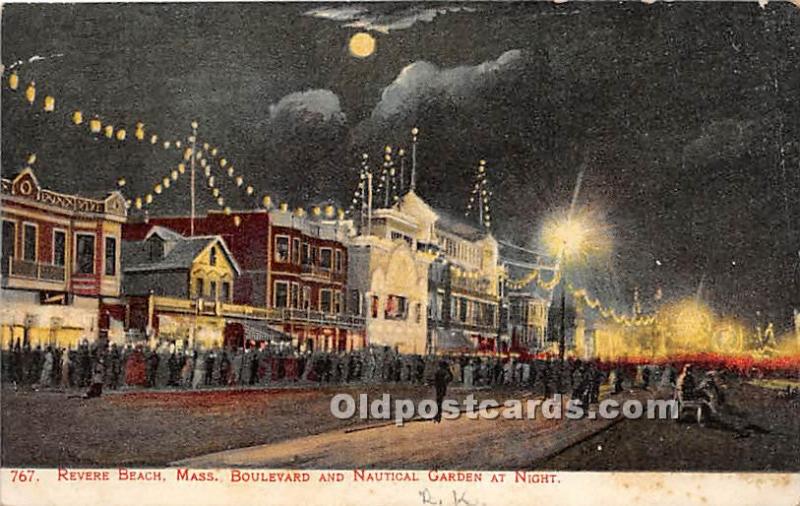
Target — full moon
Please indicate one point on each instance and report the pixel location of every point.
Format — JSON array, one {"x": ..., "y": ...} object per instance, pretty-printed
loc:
[{"x": 362, "y": 45}]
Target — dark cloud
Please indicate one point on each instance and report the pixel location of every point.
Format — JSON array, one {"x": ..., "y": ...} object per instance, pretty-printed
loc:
[
  {"x": 422, "y": 81},
  {"x": 384, "y": 18},
  {"x": 312, "y": 106}
]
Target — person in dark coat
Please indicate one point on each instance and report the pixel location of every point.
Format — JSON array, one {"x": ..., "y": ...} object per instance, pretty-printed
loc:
[
  {"x": 224, "y": 369},
  {"x": 209, "y": 370},
  {"x": 95, "y": 380},
  {"x": 35, "y": 367},
  {"x": 84, "y": 365},
  {"x": 152, "y": 368},
  {"x": 441, "y": 378},
  {"x": 114, "y": 366},
  {"x": 174, "y": 366}
]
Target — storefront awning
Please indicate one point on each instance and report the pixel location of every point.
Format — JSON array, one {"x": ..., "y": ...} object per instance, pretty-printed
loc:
[
  {"x": 263, "y": 332},
  {"x": 452, "y": 340}
]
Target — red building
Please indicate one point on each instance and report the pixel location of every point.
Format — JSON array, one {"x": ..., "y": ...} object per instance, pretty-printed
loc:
[
  {"x": 60, "y": 263},
  {"x": 291, "y": 262}
]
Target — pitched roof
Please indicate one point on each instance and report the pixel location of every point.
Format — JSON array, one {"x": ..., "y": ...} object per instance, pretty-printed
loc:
[
  {"x": 167, "y": 234},
  {"x": 180, "y": 254}
]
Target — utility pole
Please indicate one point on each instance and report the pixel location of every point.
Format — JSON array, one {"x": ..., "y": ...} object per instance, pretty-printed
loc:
[
  {"x": 369, "y": 203},
  {"x": 192, "y": 191},
  {"x": 414, "y": 133}
]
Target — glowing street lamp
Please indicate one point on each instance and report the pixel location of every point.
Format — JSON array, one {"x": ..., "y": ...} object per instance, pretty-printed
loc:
[{"x": 571, "y": 239}]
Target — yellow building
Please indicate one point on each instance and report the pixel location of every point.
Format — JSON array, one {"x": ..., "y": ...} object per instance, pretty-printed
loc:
[{"x": 197, "y": 270}]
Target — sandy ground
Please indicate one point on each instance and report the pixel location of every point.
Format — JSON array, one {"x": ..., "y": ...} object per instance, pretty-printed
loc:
[
  {"x": 461, "y": 443},
  {"x": 145, "y": 428},
  {"x": 153, "y": 428}
]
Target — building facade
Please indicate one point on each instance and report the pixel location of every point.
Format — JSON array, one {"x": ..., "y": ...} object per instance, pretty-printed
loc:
[
  {"x": 526, "y": 304},
  {"x": 463, "y": 279},
  {"x": 293, "y": 273},
  {"x": 165, "y": 271},
  {"x": 61, "y": 269},
  {"x": 388, "y": 279}
]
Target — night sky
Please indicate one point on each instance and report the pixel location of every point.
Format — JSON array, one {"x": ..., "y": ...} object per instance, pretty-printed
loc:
[{"x": 677, "y": 113}]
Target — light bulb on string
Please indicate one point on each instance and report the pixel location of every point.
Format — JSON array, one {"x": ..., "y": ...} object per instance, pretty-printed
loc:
[{"x": 30, "y": 93}]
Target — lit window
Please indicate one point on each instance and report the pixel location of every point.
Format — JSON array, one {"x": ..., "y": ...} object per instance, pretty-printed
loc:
[{"x": 396, "y": 308}]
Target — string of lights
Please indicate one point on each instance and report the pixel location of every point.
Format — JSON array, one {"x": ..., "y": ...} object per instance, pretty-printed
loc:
[
  {"x": 480, "y": 197},
  {"x": 96, "y": 126},
  {"x": 579, "y": 294}
]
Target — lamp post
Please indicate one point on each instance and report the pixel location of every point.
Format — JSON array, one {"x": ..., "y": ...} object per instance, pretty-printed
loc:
[
  {"x": 568, "y": 240},
  {"x": 414, "y": 133},
  {"x": 192, "y": 190}
]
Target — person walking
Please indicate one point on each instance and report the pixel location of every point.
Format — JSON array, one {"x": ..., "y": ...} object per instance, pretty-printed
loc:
[
  {"x": 66, "y": 365},
  {"x": 46, "y": 374},
  {"x": 441, "y": 378}
]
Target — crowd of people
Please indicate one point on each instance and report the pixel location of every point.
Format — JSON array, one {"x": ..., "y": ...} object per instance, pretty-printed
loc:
[{"x": 111, "y": 366}]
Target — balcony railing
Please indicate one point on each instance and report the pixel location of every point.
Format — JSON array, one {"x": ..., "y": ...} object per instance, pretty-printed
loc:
[
  {"x": 481, "y": 287},
  {"x": 320, "y": 317},
  {"x": 272, "y": 315},
  {"x": 18, "y": 268},
  {"x": 458, "y": 324}
]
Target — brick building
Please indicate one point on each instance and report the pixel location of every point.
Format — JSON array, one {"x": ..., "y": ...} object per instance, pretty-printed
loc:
[
  {"x": 292, "y": 263},
  {"x": 60, "y": 264}
]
